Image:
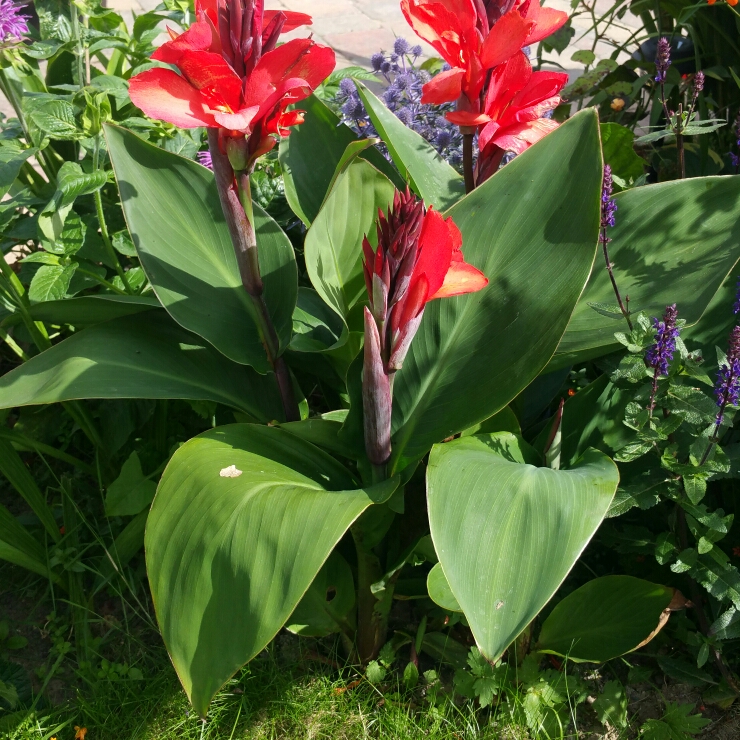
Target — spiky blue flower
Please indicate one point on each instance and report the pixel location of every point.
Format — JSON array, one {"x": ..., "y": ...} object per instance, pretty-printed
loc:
[{"x": 401, "y": 46}]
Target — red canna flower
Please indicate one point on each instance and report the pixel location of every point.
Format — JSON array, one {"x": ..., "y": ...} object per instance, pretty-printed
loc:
[
  {"x": 231, "y": 76},
  {"x": 418, "y": 259},
  {"x": 474, "y": 37},
  {"x": 512, "y": 120}
]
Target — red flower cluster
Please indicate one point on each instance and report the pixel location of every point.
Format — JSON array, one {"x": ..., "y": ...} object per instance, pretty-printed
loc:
[
  {"x": 490, "y": 79},
  {"x": 418, "y": 260},
  {"x": 231, "y": 75}
]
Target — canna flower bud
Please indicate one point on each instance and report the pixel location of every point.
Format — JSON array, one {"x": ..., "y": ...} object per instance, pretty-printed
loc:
[{"x": 418, "y": 259}]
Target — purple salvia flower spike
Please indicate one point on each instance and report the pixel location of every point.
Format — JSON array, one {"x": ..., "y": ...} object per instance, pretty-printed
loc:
[
  {"x": 727, "y": 387},
  {"x": 662, "y": 60},
  {"x": 660, "y": 354}
]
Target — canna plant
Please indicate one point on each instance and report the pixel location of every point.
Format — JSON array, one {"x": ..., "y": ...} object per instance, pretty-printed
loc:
[{"x": 368, "y": 380}]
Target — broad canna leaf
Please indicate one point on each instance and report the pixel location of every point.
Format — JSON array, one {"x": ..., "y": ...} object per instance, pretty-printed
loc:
[
  {"x": 243, "y": 520},
  {"x": 333, "y": 248},
  {"x": 507, "y": 533},
  {"x": 437, "y": 183},
  {"x": 532, "y": 228},
  {"x": 674, "y": 242},
  {"x": 310, "y": 155},
  {"x": 175, "y": 219},
  {"x": 147, "y": 356},
  {"x": 608, "y": 617},
  {"x": 92, "y": 309}
]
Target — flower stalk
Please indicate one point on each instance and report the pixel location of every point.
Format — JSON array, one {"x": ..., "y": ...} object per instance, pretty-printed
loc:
[
  {"x": 608, "y": 220},
  {"x": 236, "y": 202}
]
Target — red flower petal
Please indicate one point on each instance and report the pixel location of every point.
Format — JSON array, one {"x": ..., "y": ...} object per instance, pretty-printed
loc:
[
  {"x": 448, "y": 25},
  {"x": 463, "y": 118},
  {"x": 546, "y": 22},
  {"x": 298, "y": 61},
  {"x": 506, "y": 81},
  {"x": 293, "y": 20},
  {"x": 443, "y": 88},
  {"x": 435, "y": 251},
  {"x": 520, "y": 136},
  {"x": 163, "y": 94},
  {"x": 197, "y": 38},
  {"x": 211, "y": 74},
  {"x": 461, "y": 278},
  {"x": 505, "y": 39}
]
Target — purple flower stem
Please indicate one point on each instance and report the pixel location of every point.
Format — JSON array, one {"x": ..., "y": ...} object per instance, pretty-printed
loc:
[{"x": 610, "y": 270}]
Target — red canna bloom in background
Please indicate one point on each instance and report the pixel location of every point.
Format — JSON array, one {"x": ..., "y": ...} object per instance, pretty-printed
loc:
[
  {"x": 231, "y": 75},
  {"x": 418, "y": 259},
  {"x": 512, "y": 118},
  {"x": 474, "y": 37}
]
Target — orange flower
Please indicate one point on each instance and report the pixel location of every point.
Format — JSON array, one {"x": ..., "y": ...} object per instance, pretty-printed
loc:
[{"x": 80, "y": 732}]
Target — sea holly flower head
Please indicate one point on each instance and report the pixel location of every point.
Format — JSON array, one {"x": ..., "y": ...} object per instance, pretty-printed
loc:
[
  {"x": 660, "y": 354},
  {"x": 418, "y": 259},
  {"x": 232, "y": 76},
  {"x": 13, "y": 24},
  {"x": 473, "y": 42}
]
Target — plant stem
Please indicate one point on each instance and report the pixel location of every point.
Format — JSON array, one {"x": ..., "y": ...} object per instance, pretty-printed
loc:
[
  {"x": 104, "y": 227},
  {"x": 604, "y": 239},
  {"x": 371, "y": 625},
  {"x": 468, "y": 162},
  {"x": 236, "y": 202},
  {"x": 77, "y": 36}
]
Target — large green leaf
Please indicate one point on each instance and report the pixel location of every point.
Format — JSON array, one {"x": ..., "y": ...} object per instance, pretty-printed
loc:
[
  {"x": 145, "y": 356},
  {"x": 310, "y": 155},
  {"x": 174, "y": 215},
  {"x": 243, "y": 519},
  {"x": 417, "y": 160},
  {"x": 508, "y": 533},
  {"x": 92, "y": 309},
  {"x": 605, "y": 618},
  {"x": 674, "y": 242},
  {"x": 333, "y": 247},
  {"x": 532, "y": 228}
]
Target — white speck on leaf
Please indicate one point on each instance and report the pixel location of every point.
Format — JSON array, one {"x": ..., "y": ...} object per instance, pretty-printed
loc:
[
  {"x": 499, "y": 604},
  {"x": 231, "y": 472}
]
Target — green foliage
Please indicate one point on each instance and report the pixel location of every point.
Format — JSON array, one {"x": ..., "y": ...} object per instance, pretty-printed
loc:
[
  {"x": 475, "y": 485},
  {"x": 676, "y": 724},
  {"x": 605, "y": 618}
]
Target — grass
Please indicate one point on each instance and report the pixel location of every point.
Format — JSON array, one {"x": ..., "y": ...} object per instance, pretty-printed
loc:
[{"x": 270, "y": 699}]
